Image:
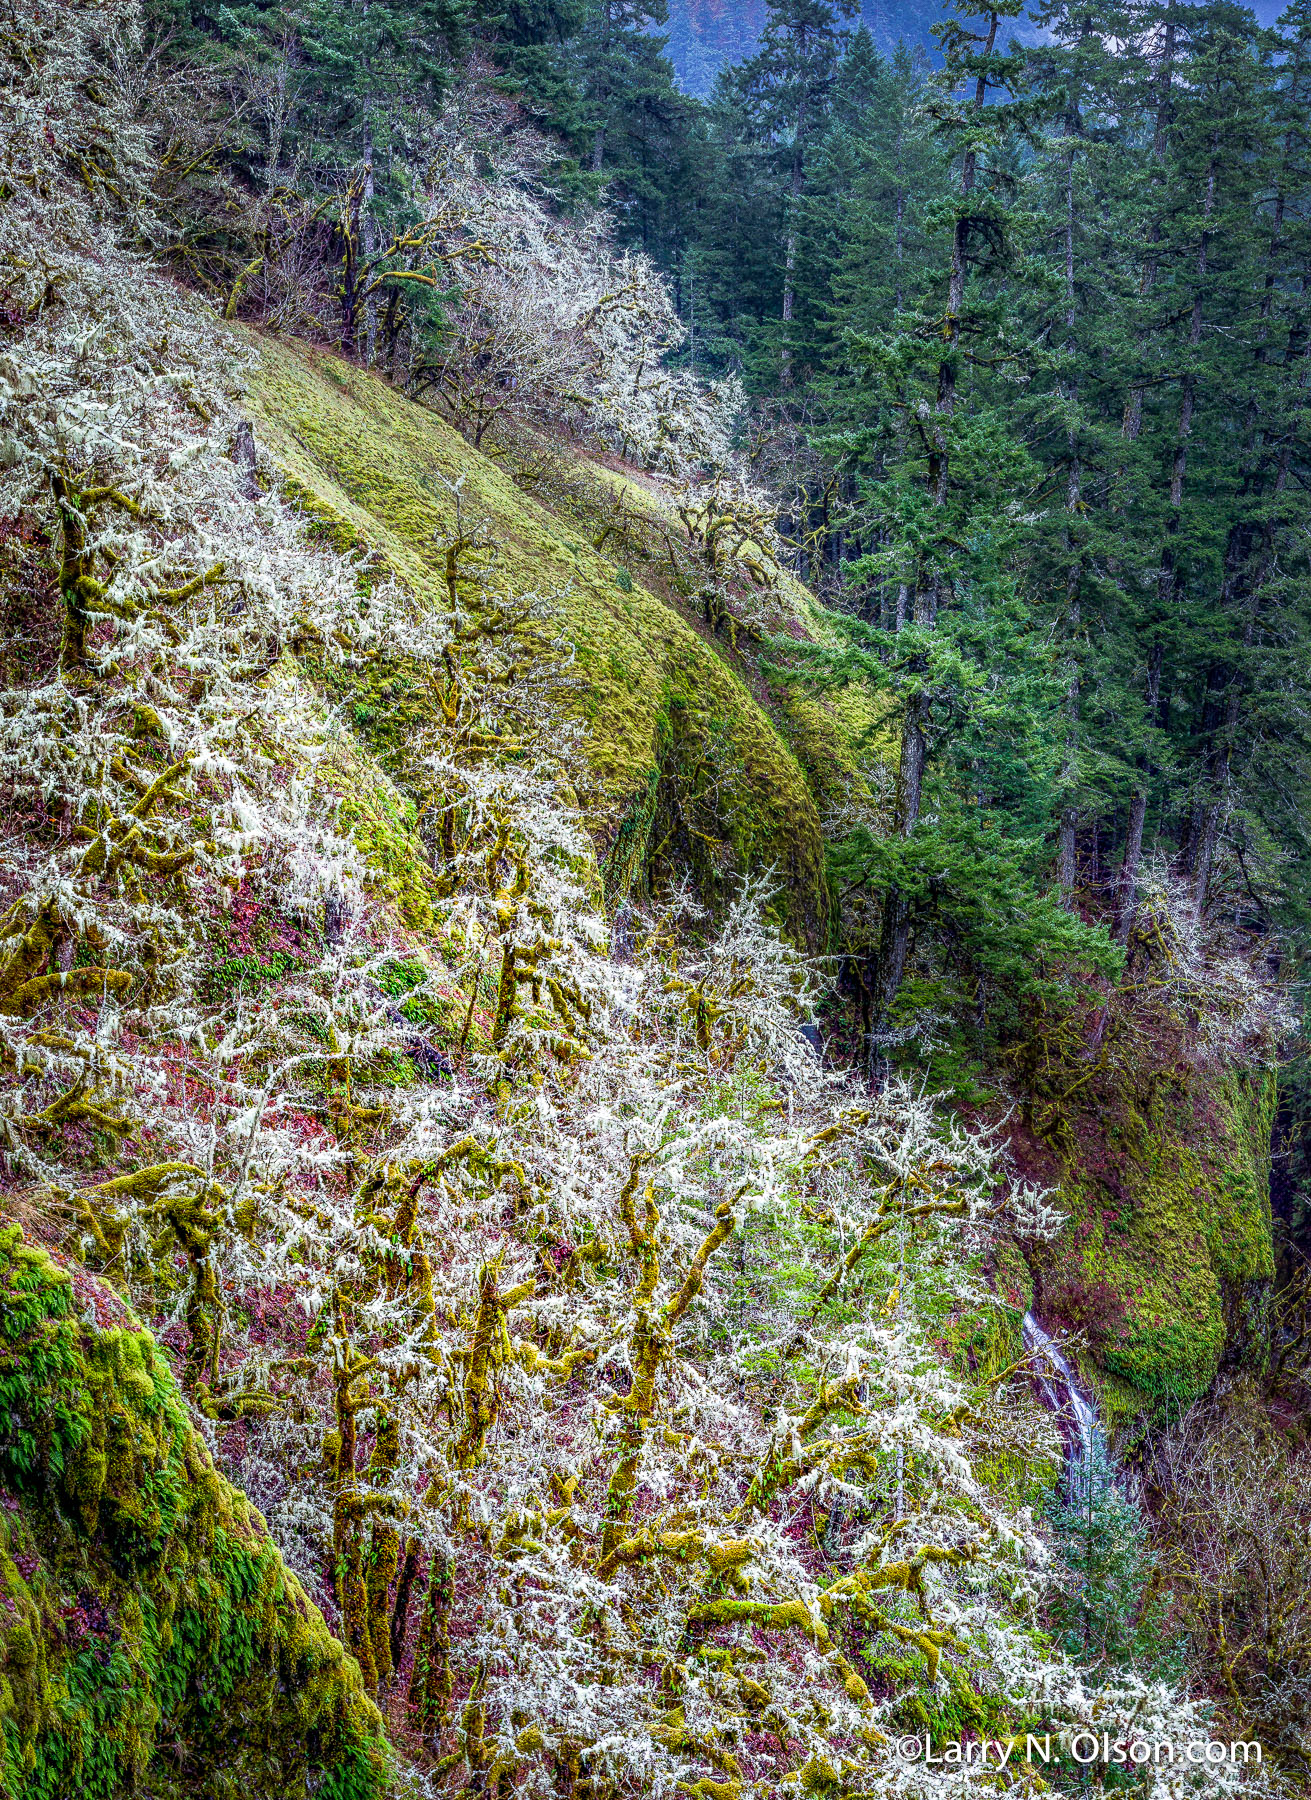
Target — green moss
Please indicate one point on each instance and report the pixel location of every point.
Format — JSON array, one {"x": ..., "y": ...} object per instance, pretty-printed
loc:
[
  {"x": 150, "y": 1636},
  {"x": 834, "y": 736},
  {"x": 1011, "y": 1277},
  {"x": 985, "y": 1344},
  {"x": 380, "y": 819},
  {"x": 1167, "y": 1252},
  {"x": 367, "y": 805},
  {"x": 371, "y": 467},
  {"x": 961, "y": 1708},
  {"x": 828, "y": 736}
]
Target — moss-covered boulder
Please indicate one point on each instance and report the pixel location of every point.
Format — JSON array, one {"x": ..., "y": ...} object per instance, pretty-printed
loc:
[
  {"x": 661, "y": 706},
  {"x": 152, "y": 1641},
  {"x": 1167, "y": 1254}
]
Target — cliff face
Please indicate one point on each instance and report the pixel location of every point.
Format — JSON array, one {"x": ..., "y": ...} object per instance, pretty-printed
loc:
[
  {"x": 1161, "y": 1164},
  {"x": 151, "y": 1637}
]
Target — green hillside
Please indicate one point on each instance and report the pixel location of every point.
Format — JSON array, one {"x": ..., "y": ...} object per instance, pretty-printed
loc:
[{"x": 656, "y": 698}]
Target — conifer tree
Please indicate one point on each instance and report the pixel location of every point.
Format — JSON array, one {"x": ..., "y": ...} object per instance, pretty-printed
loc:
[
  {"x": 1107, "y": 1612},
  {"x": 880, "y": 167},
  {"x": 531, "y": 42},
  {"x": 784, "y": 90},
  {"x": 637, "y": 132},
  {"x": 943, "y": 467},
  {"x": 1263, "y": 511}
]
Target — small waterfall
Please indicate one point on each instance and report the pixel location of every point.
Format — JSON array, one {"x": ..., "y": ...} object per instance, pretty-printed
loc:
[{"x": 1077, "y": 1414}]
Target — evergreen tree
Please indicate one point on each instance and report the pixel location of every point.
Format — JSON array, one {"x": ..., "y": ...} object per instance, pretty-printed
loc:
[
  {"x": 638, "y": 133},
  {"x": 951, "y": 472},
  {"x": 880, "y": 167},
  {"x": 530, "y": 41},
  {"x": 1142, "y": 343},
  {"x": 1108, "y": 1609},
  {"x": 1258, "y": 609},
  {"x": 1172, "y": 299},
  {"x": 1079, "y": 219},
  {"x": 732, "y": 274},
  {"x": 783, "y": 92}
]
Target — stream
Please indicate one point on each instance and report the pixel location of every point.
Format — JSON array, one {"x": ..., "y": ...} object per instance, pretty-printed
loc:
[{"x": 1075, "y": 1411}]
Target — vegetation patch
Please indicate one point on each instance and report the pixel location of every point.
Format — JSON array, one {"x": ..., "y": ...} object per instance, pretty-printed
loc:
[
  {"x": 380, "y": 470},
  {"x": 1168, "y": 1238},
  {"x": 151, "y": 1635}
]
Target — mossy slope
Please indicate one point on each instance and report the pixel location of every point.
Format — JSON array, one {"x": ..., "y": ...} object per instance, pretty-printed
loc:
[
  {"x": 654, "y": 696},
  {"x": 1167, "y": 1252},
  {"x": 835, "y": 735},
  {"x": 152, "y": 1640}
]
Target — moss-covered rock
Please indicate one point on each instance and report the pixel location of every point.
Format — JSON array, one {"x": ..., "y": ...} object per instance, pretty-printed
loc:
[
  {"x": 151, "y": 1638},
  {"x": 1167, "y": 1253},
  {"x": 656, "y": 699}
]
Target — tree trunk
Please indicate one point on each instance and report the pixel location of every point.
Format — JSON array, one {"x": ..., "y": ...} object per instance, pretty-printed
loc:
[
  {"x": 74, "y": 568},
  {"x": 1133, "y": 850},
  {"x": 1219, "y": 727},
  {"x": 243, "y": 455},
  {"x": 1221, "y": 753},
  {"x": 350, "y": 269},
  {"x": 400, "y": 1616},
  {"x": 900, "y": 245},
  {"x": 1067, "y": 859},
  {"x": 790, "y": 256},
  {"x": 1133, "y": 843},
  {"x": 930, "y": 594},
  {"x": 602, "y": 96},
  {"x": 1133, "y": 410},
  {"x": 1218, "y": 677},
  {"x": 370, "y": 230},
  {"x": 1167, "y": 572}
]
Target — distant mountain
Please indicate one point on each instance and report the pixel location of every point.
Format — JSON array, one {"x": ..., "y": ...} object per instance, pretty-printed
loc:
[
  {"x": 704, "y": 35},
  {"x": 707, "y": 35}
]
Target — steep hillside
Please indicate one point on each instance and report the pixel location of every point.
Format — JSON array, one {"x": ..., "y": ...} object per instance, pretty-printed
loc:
[
  {"x": 668, "y": 722},
  {"x": 463, "y": 1339},
  {"x": 1161, "y": 1165}
]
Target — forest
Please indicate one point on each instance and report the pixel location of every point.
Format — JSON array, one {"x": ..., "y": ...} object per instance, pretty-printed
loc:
[{"x": 655, "y": 742}]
